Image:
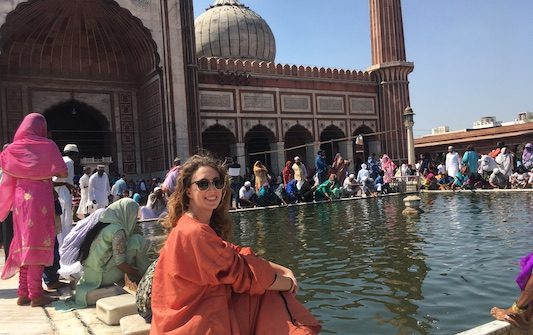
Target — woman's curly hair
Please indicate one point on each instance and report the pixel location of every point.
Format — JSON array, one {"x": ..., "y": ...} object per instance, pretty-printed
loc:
[{"x": 178, "y": 203}]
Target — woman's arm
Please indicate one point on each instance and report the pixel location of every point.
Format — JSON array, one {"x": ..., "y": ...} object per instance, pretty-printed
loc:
[
  {"x": 62, "y": 174},
  {"x": 133, "y": 273},
  {"x": 285, "y": 279}
]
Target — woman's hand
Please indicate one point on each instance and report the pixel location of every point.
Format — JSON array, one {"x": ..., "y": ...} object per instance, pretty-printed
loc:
[{"x": 287, "y": 273}]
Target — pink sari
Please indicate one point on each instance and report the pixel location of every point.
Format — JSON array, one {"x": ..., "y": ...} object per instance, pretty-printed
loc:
[{"x": 28, "y": 165}]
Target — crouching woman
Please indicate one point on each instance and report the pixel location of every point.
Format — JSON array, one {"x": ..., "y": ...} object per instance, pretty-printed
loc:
[
  {"x": 206, "y": 285},
  {"x": 111, "y": 250}
]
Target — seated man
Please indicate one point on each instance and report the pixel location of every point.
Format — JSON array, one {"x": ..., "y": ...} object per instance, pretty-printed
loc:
[
  {"x": 497, "y": 179},
  {"x": 350, "y": 187},
  {"x": 247, "y": 196},
  {"x": 519, "y": 179},
  {"x": 267, "y": 196},
  {"x": 307, "y": 190},
  {"x": 444, "y": 181},
  {"x": 292, "y": 193}
]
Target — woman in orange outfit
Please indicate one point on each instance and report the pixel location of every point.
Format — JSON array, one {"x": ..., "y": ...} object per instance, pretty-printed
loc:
[{"x": 206, "y": 285}]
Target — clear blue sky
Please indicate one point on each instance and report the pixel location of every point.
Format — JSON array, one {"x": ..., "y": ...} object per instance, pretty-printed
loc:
[{"x": 472, "y": 58}]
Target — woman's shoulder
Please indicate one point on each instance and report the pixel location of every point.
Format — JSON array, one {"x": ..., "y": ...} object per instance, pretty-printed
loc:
[{"x": 190, "y": 226}]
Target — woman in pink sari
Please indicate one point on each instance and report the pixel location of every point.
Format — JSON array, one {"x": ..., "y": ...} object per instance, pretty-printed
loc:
[
  {"x": 388, "y": 167},
  {"x": 28, "y": 165}
]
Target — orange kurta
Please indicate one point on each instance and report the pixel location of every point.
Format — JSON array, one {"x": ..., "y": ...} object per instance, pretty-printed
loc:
[{"x": 204, "y": 285}]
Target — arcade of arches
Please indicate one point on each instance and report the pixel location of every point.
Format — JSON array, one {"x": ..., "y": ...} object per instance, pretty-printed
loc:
[{"x": 260, "y": 144}]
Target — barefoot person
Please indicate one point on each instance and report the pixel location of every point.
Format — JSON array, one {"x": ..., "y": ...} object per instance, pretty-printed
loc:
[
  {"x": 28, "y": 165},
  {"x": 520, "y": 313},
  {"x": 206, "y": 285}
]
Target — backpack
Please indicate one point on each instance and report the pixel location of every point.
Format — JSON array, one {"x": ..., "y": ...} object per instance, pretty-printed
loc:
[{"x": 143, "y": 297}]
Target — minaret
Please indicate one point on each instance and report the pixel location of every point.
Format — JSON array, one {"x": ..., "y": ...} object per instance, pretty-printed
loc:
[{"x": 391, "y": 70}]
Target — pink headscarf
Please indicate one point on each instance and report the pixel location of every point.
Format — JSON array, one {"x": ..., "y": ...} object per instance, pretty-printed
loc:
[{"x": 30, "y": 156}]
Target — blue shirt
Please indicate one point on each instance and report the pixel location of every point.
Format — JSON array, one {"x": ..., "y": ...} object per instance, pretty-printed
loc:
[{"x": 121, "y": 186}]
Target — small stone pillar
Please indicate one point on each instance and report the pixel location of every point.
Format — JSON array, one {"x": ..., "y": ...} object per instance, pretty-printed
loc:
[{"x": 412, "y": 205}]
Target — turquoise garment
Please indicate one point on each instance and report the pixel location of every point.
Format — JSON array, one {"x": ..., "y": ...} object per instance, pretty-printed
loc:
[
  {"x": 323, "y": 190},
  {"x": 460, "y": 179},
  {"x": 470, "y": 158}
]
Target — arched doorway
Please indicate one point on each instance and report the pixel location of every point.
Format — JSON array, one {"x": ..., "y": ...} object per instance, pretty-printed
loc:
[
  {"x": 76, "y": 122},
  {"x": 95, "y": 48},
  {"x": 360, "y": 146},
  {"x": 297, "y": 135},
  {"x": 331, "y": 132},
  {"x": 218, "y": 140},
  {"x": 258, "y": 140}
]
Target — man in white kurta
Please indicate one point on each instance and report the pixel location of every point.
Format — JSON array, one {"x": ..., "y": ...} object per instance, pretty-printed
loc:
[
  {"x": 99, "y": 188},
  {"x": 63, "y": 187},
  {"x": 83, "y": 208},
  {"x": 453, "y": 162}
]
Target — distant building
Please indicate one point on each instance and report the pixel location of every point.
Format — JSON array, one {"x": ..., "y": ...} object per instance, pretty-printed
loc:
[{"x": 484, "y": 135}]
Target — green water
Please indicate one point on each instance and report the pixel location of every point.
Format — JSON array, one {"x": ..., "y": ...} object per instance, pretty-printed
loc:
[{"x": 363, "y": 268}]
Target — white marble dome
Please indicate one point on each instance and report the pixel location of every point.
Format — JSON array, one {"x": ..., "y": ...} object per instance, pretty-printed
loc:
[{"x": 229, "y": 29}]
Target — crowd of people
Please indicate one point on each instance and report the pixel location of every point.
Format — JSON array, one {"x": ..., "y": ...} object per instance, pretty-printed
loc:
[
  {"x": 297, "y": 183},
  {"x": 333, "y": 180},
  {"x": 499, "y": 168}
]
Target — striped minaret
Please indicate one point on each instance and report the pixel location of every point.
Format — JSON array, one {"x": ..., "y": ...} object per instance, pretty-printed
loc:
[{"x": 391, "y": 70}]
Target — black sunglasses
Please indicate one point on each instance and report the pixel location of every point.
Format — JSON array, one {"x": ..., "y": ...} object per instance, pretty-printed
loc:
[{"x": 203, "y": 184}]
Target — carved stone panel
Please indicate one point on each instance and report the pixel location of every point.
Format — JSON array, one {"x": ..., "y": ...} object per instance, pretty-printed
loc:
[
  {"x": 289, "y": 123},
  {"x": 216, "y": 100},
  {"x": 258, "y": 102},
  {"x": 330, "y": 105},
  {"x": 362, "y": 106},
  {"x": 227, "y": 123},
  {"x": 354, "y": 124},
  {"x": 296, "y": 103},
  {"x": 323, "y": 124}
]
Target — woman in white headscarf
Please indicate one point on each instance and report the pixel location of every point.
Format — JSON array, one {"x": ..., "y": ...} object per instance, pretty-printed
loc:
[
  {"x": 155, "y": 206},
  {"x": 505, "y": 162},
  {"x": 70, "y": 266}
]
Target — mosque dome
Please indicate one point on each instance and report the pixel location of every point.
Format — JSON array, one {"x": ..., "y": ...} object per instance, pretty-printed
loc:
[{"x": 229, "y": 29}]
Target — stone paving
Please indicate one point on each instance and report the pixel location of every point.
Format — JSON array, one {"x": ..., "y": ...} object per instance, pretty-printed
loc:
[{"x": 26, "y": 320}]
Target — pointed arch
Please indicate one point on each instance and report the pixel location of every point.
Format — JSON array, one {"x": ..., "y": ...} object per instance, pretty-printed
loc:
[
  {"x": 257, "y": 140},
  {"x": 331, "y": 132},
  {"x": 297, "y": 135},
  {"x": 218, "y": 140},
  {"x": 73, "y": 121}
]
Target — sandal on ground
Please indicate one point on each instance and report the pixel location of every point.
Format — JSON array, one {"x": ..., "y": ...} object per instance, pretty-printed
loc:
[
  {"x": 21, "y": 301},
  {"x": 41, "y": 301}
]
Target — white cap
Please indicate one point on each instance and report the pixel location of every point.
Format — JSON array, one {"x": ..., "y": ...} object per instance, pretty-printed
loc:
[
  {"x": 70, "y": 148},
  {"x": 297, "y": 158},
  {"x": 247, "y": 184},
  {"x": 351, "y": 176},
  {"x": 157, "y": 189}
]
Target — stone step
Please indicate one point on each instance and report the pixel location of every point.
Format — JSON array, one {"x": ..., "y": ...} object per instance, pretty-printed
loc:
[
  {"x": 110, "y": 310},
  {"x": 134, "y": 325},
  {"x": 103, "y": 292}
]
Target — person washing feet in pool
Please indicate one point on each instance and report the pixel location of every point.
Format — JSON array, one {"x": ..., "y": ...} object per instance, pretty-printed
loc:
[
  {"x": 28, "y": 165},
  {"x": 205, "y": 285}
]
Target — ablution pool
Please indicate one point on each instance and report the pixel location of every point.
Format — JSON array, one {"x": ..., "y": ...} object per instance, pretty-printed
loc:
[{"x": 364, "y": 268}]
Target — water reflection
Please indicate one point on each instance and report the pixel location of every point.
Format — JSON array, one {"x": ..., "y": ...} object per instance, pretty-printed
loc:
[{"x": 364, "y": 268}]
